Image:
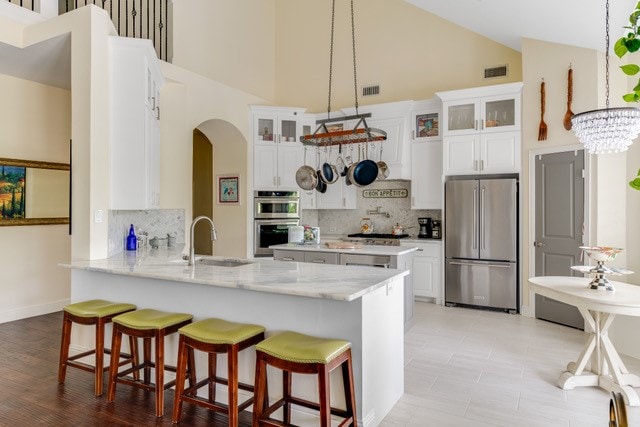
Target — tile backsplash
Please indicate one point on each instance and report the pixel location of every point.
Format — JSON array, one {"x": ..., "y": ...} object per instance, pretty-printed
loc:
[
  {"x": 155, "y": 222},
  {"x": 348, "y": 221}
]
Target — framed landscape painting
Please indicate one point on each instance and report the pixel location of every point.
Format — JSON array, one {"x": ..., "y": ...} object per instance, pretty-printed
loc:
[{"x": 12, "y": 191}]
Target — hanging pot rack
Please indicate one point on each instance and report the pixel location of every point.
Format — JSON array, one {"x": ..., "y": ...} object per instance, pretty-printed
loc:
[
  {"x": 361, "y": 132},
  {"x": 323, "y": 138}
]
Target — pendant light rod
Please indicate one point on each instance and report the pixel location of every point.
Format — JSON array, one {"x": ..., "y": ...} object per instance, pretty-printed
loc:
[{"x": 361, "y": 132}]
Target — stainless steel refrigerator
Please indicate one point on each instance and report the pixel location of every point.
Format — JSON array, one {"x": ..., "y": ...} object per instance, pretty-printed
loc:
[{"x": 481, "y": 243}]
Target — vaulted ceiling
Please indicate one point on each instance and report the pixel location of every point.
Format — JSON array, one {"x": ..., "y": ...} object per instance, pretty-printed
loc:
[{"x": 573, "y": 22}]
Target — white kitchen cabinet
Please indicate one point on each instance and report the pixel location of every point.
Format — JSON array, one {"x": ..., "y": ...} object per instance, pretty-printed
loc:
[
  {"x": 339, "y": 195},
  {"x": 135, "y": 82},
  {"x": 484, "y": 109},
  {"x": 426, "y": 270},
  {"x": 277, "y": 151},
  {"x": 482, "y": 130},
  {"x": 426, "y": 175},
  {"x": 482, "y": 154}
]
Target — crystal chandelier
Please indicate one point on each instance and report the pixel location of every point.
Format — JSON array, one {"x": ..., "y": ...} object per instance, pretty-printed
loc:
[{"x": 608, "y": 130}]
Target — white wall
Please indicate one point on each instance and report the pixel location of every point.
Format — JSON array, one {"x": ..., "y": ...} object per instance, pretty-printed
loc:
[{"x": 221, "y": 112}]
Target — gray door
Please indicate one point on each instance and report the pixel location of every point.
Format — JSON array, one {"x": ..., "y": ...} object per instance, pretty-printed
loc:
[
  {"x": 498, "y": 219},
  {"x": 559, "y": 219}
]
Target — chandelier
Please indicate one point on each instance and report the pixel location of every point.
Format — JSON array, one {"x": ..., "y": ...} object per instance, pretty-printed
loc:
[{"x": 608, "y": 130}]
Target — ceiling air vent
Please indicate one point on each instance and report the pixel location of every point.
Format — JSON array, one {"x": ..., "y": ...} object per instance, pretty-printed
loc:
[
  {"x": 494, "y": 72},
  {"x": 370, "y": 90}
]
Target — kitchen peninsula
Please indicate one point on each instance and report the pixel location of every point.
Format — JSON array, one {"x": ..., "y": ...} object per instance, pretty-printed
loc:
[{"x": 360, "y": 304}]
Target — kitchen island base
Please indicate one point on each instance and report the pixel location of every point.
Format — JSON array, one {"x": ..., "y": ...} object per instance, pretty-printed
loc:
[{"x": 373, "y": 323}]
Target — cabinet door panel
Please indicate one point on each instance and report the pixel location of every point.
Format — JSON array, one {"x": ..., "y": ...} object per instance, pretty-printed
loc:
[
  {"x": 500, "y": 152},
  {"x": 265, "y": 161},
  {"x": 501, "y": 113},
  {"x": 426, "y": 175},
  {"x": 290, "y": 158},
  {"x": 461, "y": 117},
  {"x": 460, "y": 155},
  {"x": 425, "y": 280}
]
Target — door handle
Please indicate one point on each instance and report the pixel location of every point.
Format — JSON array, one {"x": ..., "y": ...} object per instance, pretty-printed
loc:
[
  {"x": 538, "y": 244},
  {"x": 475, "y": 218},
  {"x": 469, "y": 264}
]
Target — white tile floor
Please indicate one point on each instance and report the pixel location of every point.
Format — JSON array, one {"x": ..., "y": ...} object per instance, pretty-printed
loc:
[{"x": 469, "y": 367}]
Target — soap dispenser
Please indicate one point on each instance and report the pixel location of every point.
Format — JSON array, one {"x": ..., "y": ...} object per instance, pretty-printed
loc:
[{"x": 132, "y": 241}]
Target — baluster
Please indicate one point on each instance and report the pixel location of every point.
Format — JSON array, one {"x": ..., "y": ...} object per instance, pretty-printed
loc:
[
  {"x": 161, "y": 25},
  {"x": 133, "y": 15}
]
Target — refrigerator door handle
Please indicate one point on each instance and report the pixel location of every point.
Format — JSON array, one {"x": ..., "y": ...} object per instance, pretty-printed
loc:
[
  {"x": 482, "y": 215},
  {"x": 508, "y": 265},
  {"x": 475, "y": 218}
]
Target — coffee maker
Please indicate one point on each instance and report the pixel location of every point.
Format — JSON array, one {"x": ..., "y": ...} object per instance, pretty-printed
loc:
[{"x": 425, "y": 228}]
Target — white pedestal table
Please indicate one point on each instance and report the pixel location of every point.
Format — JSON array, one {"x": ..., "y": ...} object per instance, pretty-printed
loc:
[{"x": 598, "y": 308}]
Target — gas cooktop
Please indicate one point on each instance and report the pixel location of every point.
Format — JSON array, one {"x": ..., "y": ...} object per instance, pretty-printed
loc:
[
  {"x": 378, "y": 235},
  {"x": 376, "y": 239}
]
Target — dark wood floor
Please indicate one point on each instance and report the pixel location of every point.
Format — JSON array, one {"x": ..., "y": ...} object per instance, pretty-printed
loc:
[{"x": 30, "y": 394}]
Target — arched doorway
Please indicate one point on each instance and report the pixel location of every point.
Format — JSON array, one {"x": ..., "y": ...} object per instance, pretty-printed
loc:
[
  {"x": 202, "y": 187},
  {"x": 220, "y": 149}
]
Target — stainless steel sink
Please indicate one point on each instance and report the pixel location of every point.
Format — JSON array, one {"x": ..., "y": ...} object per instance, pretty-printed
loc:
[{"x": 222, "y": 262}]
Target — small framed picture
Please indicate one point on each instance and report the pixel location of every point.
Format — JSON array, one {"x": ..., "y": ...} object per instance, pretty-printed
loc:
[
  {"x": 229, "y": 189},
  {"x": 427, "y": 125}
]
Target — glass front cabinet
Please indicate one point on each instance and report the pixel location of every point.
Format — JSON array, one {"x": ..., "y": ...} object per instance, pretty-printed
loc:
[{"x": 487, "y": 111}]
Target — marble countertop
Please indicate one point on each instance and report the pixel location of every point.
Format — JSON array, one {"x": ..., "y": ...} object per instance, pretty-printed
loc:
[
  {"x": 337, "y": 282},
  {"x": 365, "y": 250}
]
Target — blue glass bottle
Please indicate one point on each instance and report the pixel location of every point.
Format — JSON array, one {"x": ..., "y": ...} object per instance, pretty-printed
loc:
[{"x": 132, "y": 240}]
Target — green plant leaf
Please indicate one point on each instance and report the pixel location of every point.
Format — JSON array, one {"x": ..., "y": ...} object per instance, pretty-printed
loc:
[
  {"x": 620, "y": 49},
  {"x": 630, "y": 69},
  {"x": 632, "y": 44},
  {"x": 630, "y": 97},
  {"x": 635, "y": 184}
]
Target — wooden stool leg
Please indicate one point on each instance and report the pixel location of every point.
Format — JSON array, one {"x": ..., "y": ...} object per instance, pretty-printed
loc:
[
  {"x": 146, "y": 350},
  {"x": 99, "y": 355},
  {"x": 260, "y": 388},
  {"x": 113, "y": 366},
  {"x": 65, "y": 341},
  {"x": 213, "y": 367},
  {"x": 191, "y": 367},
  {"x": 133, "y": 350},
  {"x": 232, "y": 382},
  {"x": 324, "y": 396},
  {"x": 181, "y": 368},
  {"x": 286, "y": 394},
  {"x": 349, "y": 392},
  {"x": 160, "y": 373}
]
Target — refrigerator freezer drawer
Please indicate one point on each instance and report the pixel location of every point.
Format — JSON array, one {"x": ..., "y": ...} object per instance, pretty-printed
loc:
[{"x": 481, "y": 283}]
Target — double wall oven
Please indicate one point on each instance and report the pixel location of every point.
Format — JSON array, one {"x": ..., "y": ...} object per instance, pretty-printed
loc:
[{"x": 273, "y": 212}]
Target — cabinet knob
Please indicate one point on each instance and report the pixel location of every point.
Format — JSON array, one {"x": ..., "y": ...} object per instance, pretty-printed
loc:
[{"x": 538, "y": 244}]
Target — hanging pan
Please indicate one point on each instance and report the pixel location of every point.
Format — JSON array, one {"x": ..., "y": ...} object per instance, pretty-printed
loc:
[
  {"x": 306, "y": 176},
  {"x": 328, "y": 171},
  {"x": 365, "y": 172}
]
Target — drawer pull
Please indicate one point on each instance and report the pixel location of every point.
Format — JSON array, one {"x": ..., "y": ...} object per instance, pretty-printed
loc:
[{"x": 286, "y": 258}]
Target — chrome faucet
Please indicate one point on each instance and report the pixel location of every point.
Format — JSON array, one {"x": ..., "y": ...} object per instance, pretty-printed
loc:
[{"x": 214, "y": 236}]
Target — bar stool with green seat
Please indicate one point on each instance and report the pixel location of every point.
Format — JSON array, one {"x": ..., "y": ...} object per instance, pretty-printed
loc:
[
  {"x": 93, "y": 312},
  {"x": 215, "y": 336},
  {"x": 293, "y": 352},
  {"x": 147, "y": 324}
]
